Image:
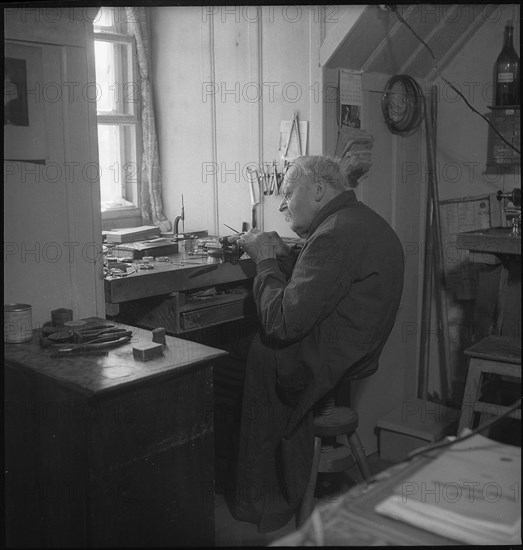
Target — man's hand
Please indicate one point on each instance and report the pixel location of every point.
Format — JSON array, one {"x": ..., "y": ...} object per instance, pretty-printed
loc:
[{"x": 262, "y": 245}]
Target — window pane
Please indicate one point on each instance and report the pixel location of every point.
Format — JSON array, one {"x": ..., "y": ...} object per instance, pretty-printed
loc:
[
  {"x": 117, "y": 94},
  {"x": 105, "y": 18},
  {"x": 105, "y": 76},
  {"x": 118, "y": 167},
  {"x": 111, "y": 173}
]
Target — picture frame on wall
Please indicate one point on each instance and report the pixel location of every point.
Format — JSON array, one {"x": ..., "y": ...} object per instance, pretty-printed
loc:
[{"x": 25, "y": 133}]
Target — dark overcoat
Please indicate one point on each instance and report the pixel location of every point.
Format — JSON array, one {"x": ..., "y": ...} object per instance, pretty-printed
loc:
[{"x": 324, "y": 314}]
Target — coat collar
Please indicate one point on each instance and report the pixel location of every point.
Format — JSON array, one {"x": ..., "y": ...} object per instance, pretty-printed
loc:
[{"x": 344, "y": 199}]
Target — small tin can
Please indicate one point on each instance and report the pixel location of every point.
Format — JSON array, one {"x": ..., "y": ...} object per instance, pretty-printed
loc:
[{"x": 18, "y": 323}]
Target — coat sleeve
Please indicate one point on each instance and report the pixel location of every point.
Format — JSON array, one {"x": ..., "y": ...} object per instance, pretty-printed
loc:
[{"x": 322, "y": 275}]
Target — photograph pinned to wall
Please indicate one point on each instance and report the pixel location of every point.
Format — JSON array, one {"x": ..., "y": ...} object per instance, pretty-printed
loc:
[
  {"x": 25, "y": 137},
  {"x": 350, "y": 99}
]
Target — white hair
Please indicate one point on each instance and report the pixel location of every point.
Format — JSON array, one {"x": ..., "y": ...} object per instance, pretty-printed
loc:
[{"x": 329, "y": 170}]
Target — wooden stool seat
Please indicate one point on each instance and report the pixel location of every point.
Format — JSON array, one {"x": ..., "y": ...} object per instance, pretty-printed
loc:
[
  {"x": 342, "y": 421},
  {"x": 492, "y": 355},
  {"x": 332, "y": 424}
]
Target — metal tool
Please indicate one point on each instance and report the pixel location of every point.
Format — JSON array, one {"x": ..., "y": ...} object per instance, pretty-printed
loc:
[
  {"x": 272, "y": 188},
  {"x": 255, "y": 199},
  {"x": 94, "y": 335},
  {"x": 231, "y": 250},
  {"x": 294, "y": 127},
  {"x": 231, "y": 228},
  {"x": 101, "y": 343},
  {"x": 177, "y": 220},
  {"x": 512, "y": 213}
]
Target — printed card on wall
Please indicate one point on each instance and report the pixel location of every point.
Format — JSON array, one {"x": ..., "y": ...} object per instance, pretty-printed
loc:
[{"x": 350, "y": 99}]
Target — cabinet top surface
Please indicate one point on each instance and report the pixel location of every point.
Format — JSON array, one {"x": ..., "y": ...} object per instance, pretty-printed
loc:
[{"x": 98, "y": 374}]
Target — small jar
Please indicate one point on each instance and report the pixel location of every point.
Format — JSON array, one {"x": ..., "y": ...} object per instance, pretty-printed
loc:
[
  {"x": 189, "y": 244},
  {"x": 18, "y": 323}
]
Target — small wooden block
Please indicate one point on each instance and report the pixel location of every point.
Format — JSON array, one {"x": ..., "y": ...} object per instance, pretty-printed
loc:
[
  {"x": 159, "y": 335},
  {"x": 145, "y": 352}
]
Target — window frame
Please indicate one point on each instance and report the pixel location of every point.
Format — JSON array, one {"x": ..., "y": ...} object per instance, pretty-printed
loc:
[{"x": 131, "y": 152}]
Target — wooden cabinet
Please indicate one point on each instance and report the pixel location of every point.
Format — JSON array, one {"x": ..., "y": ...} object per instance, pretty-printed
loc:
[
  {"x": 108, "y": 451},
  {"x": 52, "y": 227}
]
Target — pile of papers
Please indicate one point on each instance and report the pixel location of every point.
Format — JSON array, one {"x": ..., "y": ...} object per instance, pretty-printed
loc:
[
  {"x": 469, "y": 493},
  {"x": 132, "y": 234}
]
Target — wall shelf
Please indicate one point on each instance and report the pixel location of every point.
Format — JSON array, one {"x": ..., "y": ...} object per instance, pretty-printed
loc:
[{"x": 496, "y": 240}]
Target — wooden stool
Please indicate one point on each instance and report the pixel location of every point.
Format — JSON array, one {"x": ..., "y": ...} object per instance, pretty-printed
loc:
[
  {"x": 330, "y": 455},
  {"x": 492, "y": 355}
]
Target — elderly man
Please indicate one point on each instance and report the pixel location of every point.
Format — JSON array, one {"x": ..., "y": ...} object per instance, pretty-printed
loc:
[{"x": 325, "y": 313}]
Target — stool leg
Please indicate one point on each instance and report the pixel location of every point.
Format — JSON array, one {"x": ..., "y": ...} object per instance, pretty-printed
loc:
[
  {"x": 359, "y": 454},
  {"x": 470, "y": 395},
  {"x": 306, "y": 506}
]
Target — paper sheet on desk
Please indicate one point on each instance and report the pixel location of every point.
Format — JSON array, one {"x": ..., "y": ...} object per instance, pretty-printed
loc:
[{"x": 469, "y": 493}]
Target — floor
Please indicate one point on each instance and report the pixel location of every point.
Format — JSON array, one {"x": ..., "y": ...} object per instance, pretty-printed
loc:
[{"x": 230, "y": 532}]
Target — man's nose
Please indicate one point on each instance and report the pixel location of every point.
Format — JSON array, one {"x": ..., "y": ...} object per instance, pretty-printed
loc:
[{"x": 283, "y": 205}]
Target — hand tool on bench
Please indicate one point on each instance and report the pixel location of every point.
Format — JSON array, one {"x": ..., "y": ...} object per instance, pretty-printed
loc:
[
  {"x": 255, "y": 198},
  {"x": 120, "y": 337},
  {"x": 92, "y": 335}
]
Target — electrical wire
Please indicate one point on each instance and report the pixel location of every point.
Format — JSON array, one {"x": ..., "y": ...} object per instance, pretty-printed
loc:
[
  {"x": 394, "y": 9},
  {"x": 448, "y": 443},
  {"x": 403, "y": 109}
]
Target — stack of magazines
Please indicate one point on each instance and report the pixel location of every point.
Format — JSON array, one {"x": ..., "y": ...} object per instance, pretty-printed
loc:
[{"x": 469, "y": 493}]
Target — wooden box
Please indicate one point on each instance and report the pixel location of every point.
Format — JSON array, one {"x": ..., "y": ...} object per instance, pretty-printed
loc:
[{"x": 412, "y": 425}]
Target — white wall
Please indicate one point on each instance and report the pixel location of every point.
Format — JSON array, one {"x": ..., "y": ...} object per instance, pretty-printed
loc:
[
  {"x": 398, "y": 197},
  {"x": 52, "y": 226},
  {"x": 210, "y": 65}
]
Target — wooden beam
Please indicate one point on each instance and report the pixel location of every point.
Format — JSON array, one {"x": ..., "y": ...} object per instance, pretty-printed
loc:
[
  {"x": 340, "y": 33},
  {"x": 463, "y": 38}
]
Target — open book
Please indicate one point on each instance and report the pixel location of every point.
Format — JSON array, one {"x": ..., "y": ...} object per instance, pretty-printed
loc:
[{"x": 470, "y": 493}]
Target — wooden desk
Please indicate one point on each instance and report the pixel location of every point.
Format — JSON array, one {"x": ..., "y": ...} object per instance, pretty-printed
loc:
[
  {"x": 109, "y": 451},
  {"x": 156, "y": 297},
  {"x": 173, "y": 277}
]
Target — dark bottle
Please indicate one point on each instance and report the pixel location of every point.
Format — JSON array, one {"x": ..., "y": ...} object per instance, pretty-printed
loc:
[{"x": 507, "y": 71}]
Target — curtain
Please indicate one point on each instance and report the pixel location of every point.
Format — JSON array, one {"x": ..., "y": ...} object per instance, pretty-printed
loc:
[{"x": 151, "y": 183}]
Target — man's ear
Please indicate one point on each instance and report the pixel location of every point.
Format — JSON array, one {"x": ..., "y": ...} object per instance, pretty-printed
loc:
[{"x": 319, "y": 190}]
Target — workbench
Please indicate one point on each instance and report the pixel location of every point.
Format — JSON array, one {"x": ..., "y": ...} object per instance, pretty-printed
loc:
[
  {"x": 181, "y": 273},
  {"x": 156, "y": 297},
  {"x": 107, "y": 450}
]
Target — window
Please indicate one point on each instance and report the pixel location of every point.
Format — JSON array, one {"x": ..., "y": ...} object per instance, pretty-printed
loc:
[{"x": 117, "y": 114}]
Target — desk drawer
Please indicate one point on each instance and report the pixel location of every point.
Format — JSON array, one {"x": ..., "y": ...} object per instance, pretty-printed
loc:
[
  {"x": 178, "y": 315},
  {"x": 214, "y": 315}
]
